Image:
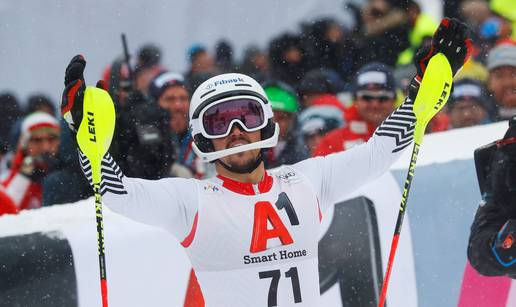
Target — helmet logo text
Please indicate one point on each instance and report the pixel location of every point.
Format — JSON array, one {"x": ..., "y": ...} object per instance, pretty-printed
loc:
[{"x": 223, "y": 81}]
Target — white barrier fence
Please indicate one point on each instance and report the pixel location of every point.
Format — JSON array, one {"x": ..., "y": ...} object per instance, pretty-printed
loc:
[{"x": 147, "y": 267}]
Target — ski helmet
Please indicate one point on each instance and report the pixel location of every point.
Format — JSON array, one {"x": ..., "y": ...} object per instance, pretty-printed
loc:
[
  {"x": 223, "y": 101},
  {"x": 281, "y": 96}
]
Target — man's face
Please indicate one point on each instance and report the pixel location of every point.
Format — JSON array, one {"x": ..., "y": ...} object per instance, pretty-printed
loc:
[
  {"x": 374, "y": 106},
  {"x": 466, "y": 113},
  {"x": 334, "y": 33},
  {"x": 502, "y": 83},
  {"x": 261, "y": 62},
  {"x": 144, "y": 77},
  {"x": 312, "y": 141},
  {"x": 308, "y": 99},
  {"x": 374, "y": 10},
  {"x": 284, "y": 120},
  {"x": 43, "y": 143},
  {"x": 238, "y": 137},
  {"x": 293, "y": 55},
  {"x": 176, "y": 101},
  {"x": 203, "y": 63}
]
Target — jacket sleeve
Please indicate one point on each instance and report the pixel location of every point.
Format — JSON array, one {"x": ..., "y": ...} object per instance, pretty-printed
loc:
[
  {"x": 337, "y": 175},
  {"x": 489, "y": 220},
  {"x": 169, "y": 203}
]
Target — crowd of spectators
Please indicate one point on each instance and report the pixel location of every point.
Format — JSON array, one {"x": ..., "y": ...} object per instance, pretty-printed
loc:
[{"x": 330, "y": 87}]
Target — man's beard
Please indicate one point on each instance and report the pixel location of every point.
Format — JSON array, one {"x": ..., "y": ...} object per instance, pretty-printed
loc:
[
  {"x": 247, "y": 167},
  {"x": 245, "y": 164}
]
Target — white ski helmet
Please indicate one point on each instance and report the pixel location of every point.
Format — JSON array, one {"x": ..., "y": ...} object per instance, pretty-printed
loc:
[{"x": 235, "y": 91}]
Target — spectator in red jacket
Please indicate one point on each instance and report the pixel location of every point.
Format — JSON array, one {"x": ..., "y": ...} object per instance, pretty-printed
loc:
[
  {"x": 35, "y": 157},
  {"x": 7, "y": 205},
  {"x": 375, "y": 97},
  {"x": 320, "y": 87}
]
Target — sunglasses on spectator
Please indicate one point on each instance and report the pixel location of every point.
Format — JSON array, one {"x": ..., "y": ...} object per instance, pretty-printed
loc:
[{"x": 380, "y": 96}]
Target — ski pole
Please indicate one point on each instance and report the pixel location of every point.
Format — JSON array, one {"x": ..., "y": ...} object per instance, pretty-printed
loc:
[
  {"x": 94, "y": 138},
  {"x": 399, "y": 222},
  {"x": 433, "y": 93}
]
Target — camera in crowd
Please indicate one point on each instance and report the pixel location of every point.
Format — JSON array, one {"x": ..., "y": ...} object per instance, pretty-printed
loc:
[{"x": 491, "y": 249}]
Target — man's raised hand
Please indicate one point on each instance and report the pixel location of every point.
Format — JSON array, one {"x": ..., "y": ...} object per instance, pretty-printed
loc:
[
  {"x": 73, "y": 94},
  {"x": 452, "y": 38}
]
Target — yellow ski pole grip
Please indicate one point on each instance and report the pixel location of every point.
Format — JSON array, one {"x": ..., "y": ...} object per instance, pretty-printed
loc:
[
  {"x": 97, "y": 127},
  {"x": 433, "y": 93}
]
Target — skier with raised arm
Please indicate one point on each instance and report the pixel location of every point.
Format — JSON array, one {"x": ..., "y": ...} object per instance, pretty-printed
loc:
[{"x": 252, "y": 234}]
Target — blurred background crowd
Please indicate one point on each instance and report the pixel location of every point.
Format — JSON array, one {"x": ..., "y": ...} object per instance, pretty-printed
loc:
[{"x": 330, "y": 86}]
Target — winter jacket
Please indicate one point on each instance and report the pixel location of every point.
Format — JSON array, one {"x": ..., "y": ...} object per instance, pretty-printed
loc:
[
  {"x": 489, "y": 219},
  {"x": 187, "y": 164},
  {"x": 19, "y": 189},
  {"x": 142, "y": 142},
  {"x": 7, "y": 205}
]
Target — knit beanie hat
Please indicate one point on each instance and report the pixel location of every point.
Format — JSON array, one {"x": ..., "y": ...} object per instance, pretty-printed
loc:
[{"x": 35, "y": 123}]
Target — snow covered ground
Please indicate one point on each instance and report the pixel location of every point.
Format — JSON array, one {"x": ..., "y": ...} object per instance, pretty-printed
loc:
[{"x": 145, "y": 265}]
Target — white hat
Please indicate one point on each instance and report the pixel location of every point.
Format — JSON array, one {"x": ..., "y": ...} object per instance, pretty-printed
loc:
[
  {"x": 36, "y": 122},
  {"x": 502, "y": 55}
]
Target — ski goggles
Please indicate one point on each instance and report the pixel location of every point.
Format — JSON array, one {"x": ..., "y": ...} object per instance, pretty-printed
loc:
[
  {"x": 218, "y": 119},
  {"x": 381, "y": 96}
]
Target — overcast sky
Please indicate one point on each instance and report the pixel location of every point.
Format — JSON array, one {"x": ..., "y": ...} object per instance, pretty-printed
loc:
[{"x": 39, "y": 37}]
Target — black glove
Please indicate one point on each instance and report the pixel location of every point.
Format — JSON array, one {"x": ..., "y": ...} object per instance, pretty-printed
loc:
[
  {"x": 452, "y": 38},
  {"x": 73, "y": 94}
]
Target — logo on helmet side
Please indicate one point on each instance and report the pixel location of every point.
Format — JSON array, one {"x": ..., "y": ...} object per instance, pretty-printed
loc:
[{"x": 222, "y": 82}]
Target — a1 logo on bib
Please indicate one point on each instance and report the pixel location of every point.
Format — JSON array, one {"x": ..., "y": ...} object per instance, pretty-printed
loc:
[{"x": 265, "y": 215}]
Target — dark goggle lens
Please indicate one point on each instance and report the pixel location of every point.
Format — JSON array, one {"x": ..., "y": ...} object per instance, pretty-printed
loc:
[
  {"x": 370, "y": 98},
  {"x": 217, "y": 119}
]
